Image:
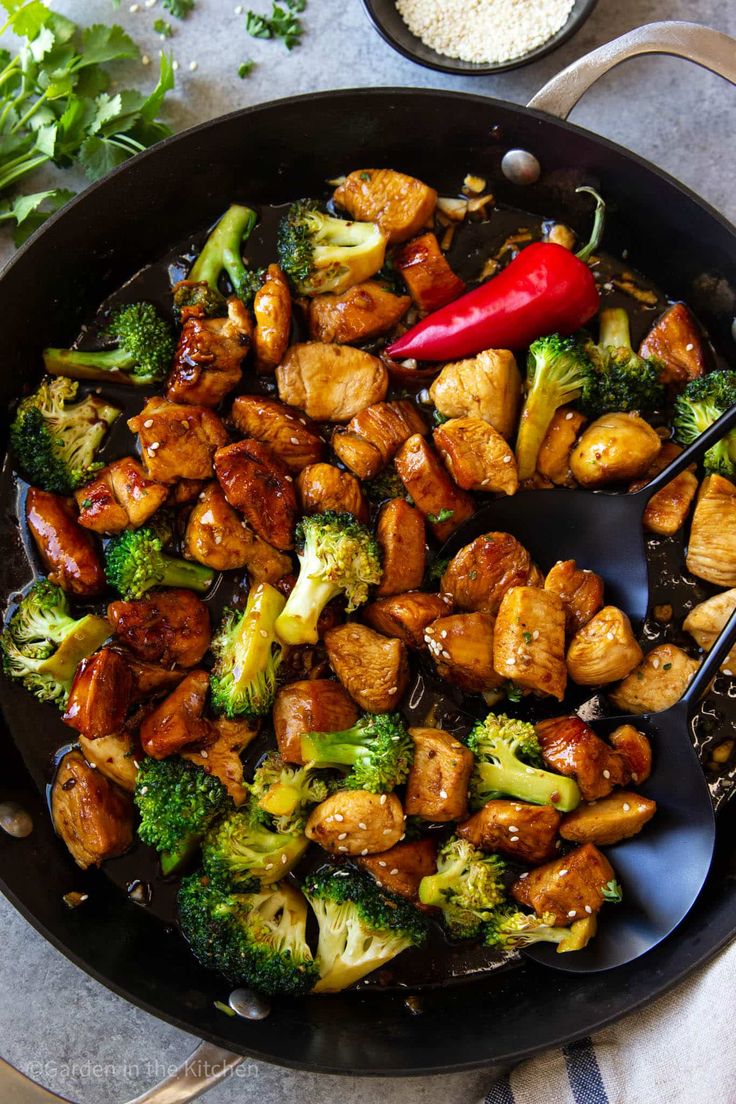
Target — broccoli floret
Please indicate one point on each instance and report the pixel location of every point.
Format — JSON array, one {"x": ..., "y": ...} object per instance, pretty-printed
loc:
[
  {"x": 43, "y": 644},
  {"x": 222, "y": 255},
  {"x": 509, "y": 929},
  {"x": 241, "y": 850},
  {"x": 378, "y": 750},
  {"x": 286, "y": 793},
  {"x": 337, "y": 555},
  {"x": 701, "y": 404},
  {"x": 145, "y": 346},
  {"x": 509, "y": 764},
  {"x": 199, "y": 300},
  {"x": 255, "y": 939},
  {"x": 178, "y": 801},
  {"x": 622, "y": 380},
  {"x": 361, "y": 927},
  {"x": 558, "y": 372},
  {"x": 55, "y": 440},
  {"x": 468, "y": 887},
  {"x": 247, "y": 656},
  {"x": 322, "y": 254},
  {"x": 134, "y": 563}
]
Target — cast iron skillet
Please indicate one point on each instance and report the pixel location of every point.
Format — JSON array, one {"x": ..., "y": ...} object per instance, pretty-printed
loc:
[{"x": 270, "y": 154}]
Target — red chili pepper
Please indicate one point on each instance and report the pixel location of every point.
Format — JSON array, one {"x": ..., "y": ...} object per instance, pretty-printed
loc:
[{"x": 546, "y": 289}]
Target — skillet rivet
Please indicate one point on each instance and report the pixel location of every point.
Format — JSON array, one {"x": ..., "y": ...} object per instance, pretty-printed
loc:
[
  {"x": 249, "y": 1005},
  {"x": 14, "y": 820},
  {"x": 521, "y": 167}
]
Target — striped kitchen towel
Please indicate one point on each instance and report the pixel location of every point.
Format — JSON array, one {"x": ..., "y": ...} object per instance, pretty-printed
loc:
[{"x": 679, "y": 1050}]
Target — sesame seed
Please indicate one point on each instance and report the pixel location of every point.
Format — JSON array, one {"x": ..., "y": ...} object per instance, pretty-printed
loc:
[
  {"x": 154, "y": 445},
  {"x": 204, "y": 754},
  {"x": 148, "y": 423},
  {"x": 429, "y": 631},
  {"x": 689, "y": 346},
  {"x": 507, "y": 460},
  {"x": 269, "y": 866},
  {"x": 150, "y": 3},
  {"x": 383, "y": 799},
  {"x": 588, "y": 909},
  {"x": 443, "y": 795},
  {"x": 387, "y": 831},
  {"x": 655, "y": 663},
  {"x": 134, "y": 8},
  {"x": 393, "y": 689},
  {"x": 342, "y": 847},
  {"x": 193, "y": 66},
  {"x": 634, "y": 777},
  {"x": 329, "y": 819},
  {"x": 511, "y": 661},
  {"x": 175, "y": 65},
  {"x": 513, "y": 839},
  {"x": 364, "y": 851},
  {"x": 562, "y": 873},
  {"x": 606, "y": 774},
  {"x": 443, "y": 634},
  {"x": 535, "y": 634},
  {"x": 610, "y": 636},
  {"x": 343, "y": 835},
  {"x": 524, "y": 875},
  {"x": 568, "y": 416},
  {"x": 445, "y": 654},
  {"x": 263, "y": 633},
  {"x": 484, "y": 482},
  {"x": 339, "y": 817},
  {"x": 517, "y": 808},
  {"x": 145, "y": 60},
  {"x": 143, "y": 790},
  {"x": 572, "y": 912},
  {"x": 530, "y": 770},
  {"x": 394, "y": 870},
  {"x": 513, "y": 828},
  {"x": 238, "y": 10},
  {"x": 381, "y": 862},
  {"x": 294, "y": 440},
  {"x": 362, "y": 826},
  {"x": 185, "y": 423},
  {"x": 626, "y": 806}
]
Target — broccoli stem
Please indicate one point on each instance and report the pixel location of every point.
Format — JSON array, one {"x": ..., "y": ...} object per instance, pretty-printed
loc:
[
  {"x": 297, "y": 624},
  {"x": 540, "y": 787},
  {"x": 599, "y": 222},
  {"x": 615, "y": 332},
  {"x": 222, "y": 250},
  {"x": 173, "y": 862},
  {"x": 84, "y": 639},
  {"x": 180, "y": 573},
  {"x": 94, "y": 365},
  {"x": 333, "y": 749}
]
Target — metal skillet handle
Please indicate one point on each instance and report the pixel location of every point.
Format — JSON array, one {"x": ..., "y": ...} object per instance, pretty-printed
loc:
[
  {"x": 703, "y": 45},
  {"x": 694, "y": 452}
]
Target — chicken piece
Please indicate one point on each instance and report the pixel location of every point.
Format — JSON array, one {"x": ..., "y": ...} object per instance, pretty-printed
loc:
[
  {"x": 529, "y": 640},
  {"x": 148, "y": 678},
  {"x": 571, "y": 747},
  {"x": 94, "y": 819},
  {"x": 435, "y": 495},
  {"x": 604, "y": 650},
  {"x": 580, "y": 590},
  {"x": 428, "y": 276},
  {"x": 553, "y": 459},
  {"x": 677, "y": 340},
  {"x": 259, "y": 486},
  {"x": 313, "y": 705},
  {"x": 170, "y": 627},
  {"x": 484, "y": 570},
  {"x": 400, "y": 204},
  {"x": 179, "y": 719},
  {"x": 486, "y": 386},
  {"x": 635, "y": 749},
  {"x": 711, "y": 553},
  {"x": 119, "y": 497},
  {"x": 374, "y": 669},
  {"x": 666, "y": 511},
  {"x": 69, "y": 555},
  {"x": 292, "y": 437},
  {"x": 177, "y": 441},
  {"x": 526, "y": 832},
  {"x": 373, "y": 437},
  {"x": 705, "y": 621},
  {"x": 406, "y": 616},
  {"x": 658, "y": 682},
  {"x": 462, "y": 649},
  {"x": 100, "y": 695},
  {"x": 358, "y": 314},
  {"x": 610, "y": 820},
  {"x": 209, "y": 356},
  {"x": 437, "y": 786},
  {"x": 222, "y": 757},
  {"x": 401, "y": 537},
  {"x": 331, "y": 383},
  {"x": 569, "y": 888},
  {"x": 184, "y": 492},
  {"x": 272, "y": 312},
  {"x": 114, "y": 756},
  {"x": 400, "y": 869},
  {"x": 355, "y": 822},
  {"x": 217, "y": 537},
  {"x": 324, "y": 487},
  {"x": 477, "y": 456},
  {"x": 614, "y": 449}
]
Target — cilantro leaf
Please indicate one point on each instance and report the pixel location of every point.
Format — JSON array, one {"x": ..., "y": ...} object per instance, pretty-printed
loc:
[
  {"x": 180, "y": 9},
  {"x": 245, "y": 69},
  {"x": 161, "y": 27},
  {"x": 257, "y": 26},
  {"x": 101, "y": 43},
  {"x": 98, "y": 156}
]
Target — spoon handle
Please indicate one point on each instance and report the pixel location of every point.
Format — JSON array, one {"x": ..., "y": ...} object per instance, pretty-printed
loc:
[
  {"x": 694, "y": 452},
  {"x": 711, "y": 665}
]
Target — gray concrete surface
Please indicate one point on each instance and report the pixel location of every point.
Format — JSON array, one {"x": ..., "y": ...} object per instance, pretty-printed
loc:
[{"x": 55, "y": 1022}]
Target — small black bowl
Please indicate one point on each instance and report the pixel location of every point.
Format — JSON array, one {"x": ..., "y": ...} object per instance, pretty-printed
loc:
[{"x": 389, "y": 24}]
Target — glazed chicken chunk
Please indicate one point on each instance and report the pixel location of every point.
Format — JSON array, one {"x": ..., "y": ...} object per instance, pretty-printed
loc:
[
  {"x": 568, "y": 896},
  {"x": 314, "y": 705},
  {"x": 400, "y": 869},
  {"x": 571, "y": 747},
  {"x": 355, "y": 822},
  {"x": 436, "y": 496},
  {"x": 400, "y": 204},
  {"x": 209, "y": 357},
  {"x": 272, "y": 312},
  {"x": 705, "y": 621},
  {"x": 711, "y": 554},
  {"x": 613, "y": 449},
  {"x": 487, "y": 386},
  {"x": 526, "y": 832},
  {"x": 94, "y": 819},
  {"x": 553, "y": 459},
  {"x": 604, "y": 650},
  {"x": 358, "y": 314},
  {"x": 119, "y": 497},
  {"x": 462, "y": 649},
  {"x": 227, "y": 740},
  {"x": 68, "y": 553},
  {"x": 428, "y": 276},
  {"x": 529, "y": 640},
  {"x": 292, "y": 437},
  {"x": 666, "y": 511},
  {"x": 619, "y": 816},
  {"x": 331, "y": 383},
  {"x": 477, "y": 456},
  {"x": 177, "y": 441},
  {"x": 217, "y": 537},
  {"x": 401, "y": 537},
  {"x": 406, "y": 616},
  {"x": 323, "y": 487},
  {"x": 636, "y": 750},
  {"x": 170, "y": 627},
  {"x": 373, "y": 437},
  {"x": 657, "y": 682},
  {"x": 484, "y": 570},
  {"x": 259, "y": 486},
  {"x": 580, "y": 590},
  {"x": 374, "y": 669},
  {"x": 437, "y": 787},
  {"x": 677, "y": 340},
  {"x": 100, "y": 695},
  {"x": 114, "y": 756},
  {"x": 179, "y": 719}
]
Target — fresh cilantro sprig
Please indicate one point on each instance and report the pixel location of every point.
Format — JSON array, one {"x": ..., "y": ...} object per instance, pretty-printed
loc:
[
  {"x": 161, "y": 27},
  {"x": 180, "y": 9},
  {"x": 283, "y": 23}
]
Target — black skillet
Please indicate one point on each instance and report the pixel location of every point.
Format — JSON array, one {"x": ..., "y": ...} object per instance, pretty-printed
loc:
[{"x": 265, "y": 155}]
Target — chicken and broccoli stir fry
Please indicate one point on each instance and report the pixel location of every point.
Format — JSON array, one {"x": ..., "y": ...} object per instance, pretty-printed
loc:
[{"x": 259, "y": 564}]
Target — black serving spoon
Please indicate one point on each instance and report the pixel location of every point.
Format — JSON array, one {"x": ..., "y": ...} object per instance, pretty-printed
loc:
[
  {"x": 662, "y": 870},
  {"x": 602, "y": 532}
]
